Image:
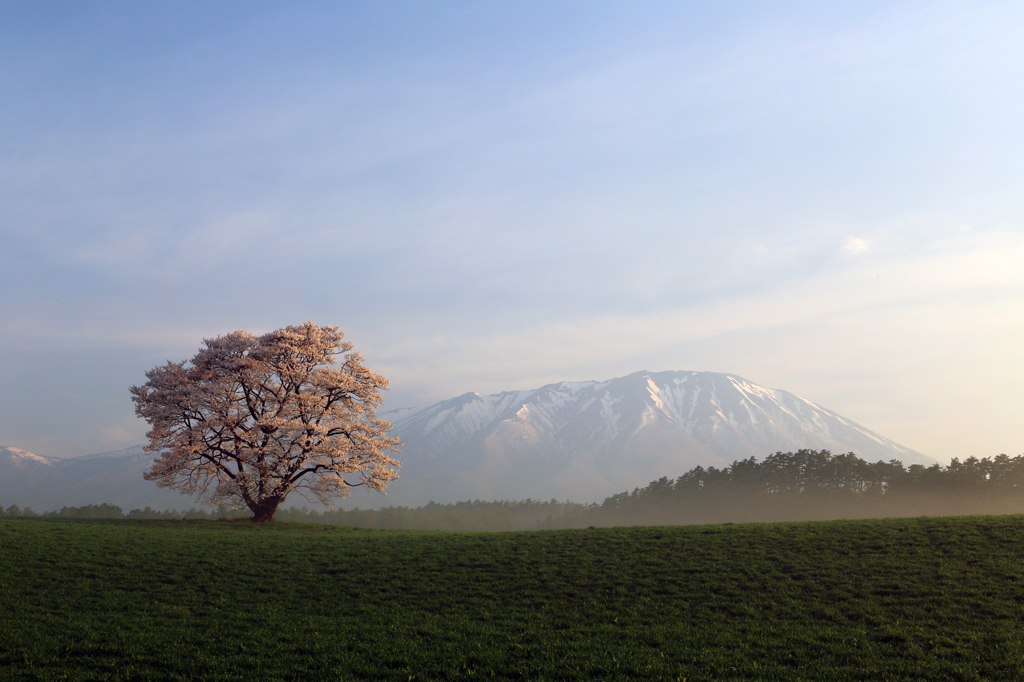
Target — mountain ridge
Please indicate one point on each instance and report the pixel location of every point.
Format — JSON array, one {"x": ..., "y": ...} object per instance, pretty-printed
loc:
[
  {"x": 588, "y": 436},
  {"x": 578, "y": 440},
  {"x": 48, "y": 483}
]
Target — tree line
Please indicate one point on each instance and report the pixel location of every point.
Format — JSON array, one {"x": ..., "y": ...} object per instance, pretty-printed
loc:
[
  {"x": 468, "y": 515},
  {"x": 785, "y": 486},
  {"x": 112, "y": 511},
  {"x": 815, "y": 484}
]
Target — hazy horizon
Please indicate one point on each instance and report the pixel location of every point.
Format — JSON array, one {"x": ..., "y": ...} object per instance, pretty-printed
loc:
[{"x": 824, "y": 200}]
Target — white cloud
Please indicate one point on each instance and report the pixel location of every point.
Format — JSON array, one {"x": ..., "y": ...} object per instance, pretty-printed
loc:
[{"x": 855, "y": 245}]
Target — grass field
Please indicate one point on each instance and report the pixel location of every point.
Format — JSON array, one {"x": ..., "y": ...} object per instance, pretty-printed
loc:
[{"x": 924, "y": 598}]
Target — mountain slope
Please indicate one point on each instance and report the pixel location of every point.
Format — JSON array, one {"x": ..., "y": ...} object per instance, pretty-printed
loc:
[
  {"x": 585, "y": 440},
  {"x": 46, "y": 483},
  {"x": 580, "y": 441},
  {"x": 21, "y": 470}
]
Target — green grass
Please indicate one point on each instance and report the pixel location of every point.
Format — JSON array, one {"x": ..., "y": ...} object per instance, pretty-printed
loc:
[{"x": 926, "y": 598}]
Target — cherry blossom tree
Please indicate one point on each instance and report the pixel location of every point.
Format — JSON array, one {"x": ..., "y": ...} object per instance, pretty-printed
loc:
[{"x": 250, "y": 419}]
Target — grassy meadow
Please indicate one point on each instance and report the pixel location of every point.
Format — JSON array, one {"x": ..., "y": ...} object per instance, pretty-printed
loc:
[{"x": 896, "y": 599}]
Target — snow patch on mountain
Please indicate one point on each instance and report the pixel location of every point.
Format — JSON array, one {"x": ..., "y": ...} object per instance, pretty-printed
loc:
[
  {"x": 17, "y": 455},
  {"x": 591, "y": 438},
  {"x": 580, "y": 440},
  {"x": 48, "y": 483}
]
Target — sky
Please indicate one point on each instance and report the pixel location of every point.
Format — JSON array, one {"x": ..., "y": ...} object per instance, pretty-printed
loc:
[{"x": 824, "y": 198}]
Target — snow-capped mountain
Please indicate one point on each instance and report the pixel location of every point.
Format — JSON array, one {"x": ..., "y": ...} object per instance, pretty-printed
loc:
[
  {"x": 580, "y": 441},
  {"x": 47, "y": 483},
  {"x": 22, "y": 469},
  {"x": 586, "y": 440}
]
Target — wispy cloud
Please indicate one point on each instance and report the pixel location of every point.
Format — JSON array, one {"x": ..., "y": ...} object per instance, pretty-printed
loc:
[
  {"x": 496, "y": 196},
  {"x": 888, "y": 323}
]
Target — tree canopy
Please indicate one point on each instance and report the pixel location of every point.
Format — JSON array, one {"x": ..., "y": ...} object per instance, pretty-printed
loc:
[{"x": 250, "y": 419}]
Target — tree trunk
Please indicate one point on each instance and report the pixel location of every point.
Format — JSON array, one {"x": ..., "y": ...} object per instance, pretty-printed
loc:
[{"x": 264, "y": 510}]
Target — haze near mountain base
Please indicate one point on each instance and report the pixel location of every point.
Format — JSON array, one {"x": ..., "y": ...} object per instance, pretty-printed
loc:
[{"x": 583, "y": 441}]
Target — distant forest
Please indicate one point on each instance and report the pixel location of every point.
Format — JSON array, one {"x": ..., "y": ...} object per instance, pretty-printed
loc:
[{"x": 786, "y": 486}]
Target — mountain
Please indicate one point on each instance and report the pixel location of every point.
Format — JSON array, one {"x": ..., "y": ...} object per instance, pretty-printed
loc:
[
  {"x": 580, "y": 441},
  {"x": 21, "y": 469},
  {"x": 586, "y": 440},
  {"x": 47, "y": 483}
]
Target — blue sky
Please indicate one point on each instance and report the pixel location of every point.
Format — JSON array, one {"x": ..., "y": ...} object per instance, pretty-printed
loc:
[{"x": 491, "y": 196}]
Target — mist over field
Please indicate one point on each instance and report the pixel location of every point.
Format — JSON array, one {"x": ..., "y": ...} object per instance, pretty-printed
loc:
[
  {"x": 844, "y": 600},
  {"x": 578, "y": 441}
]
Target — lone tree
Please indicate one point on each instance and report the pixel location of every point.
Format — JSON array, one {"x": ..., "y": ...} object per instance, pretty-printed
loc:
[{"x": 250, "y": 419}]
